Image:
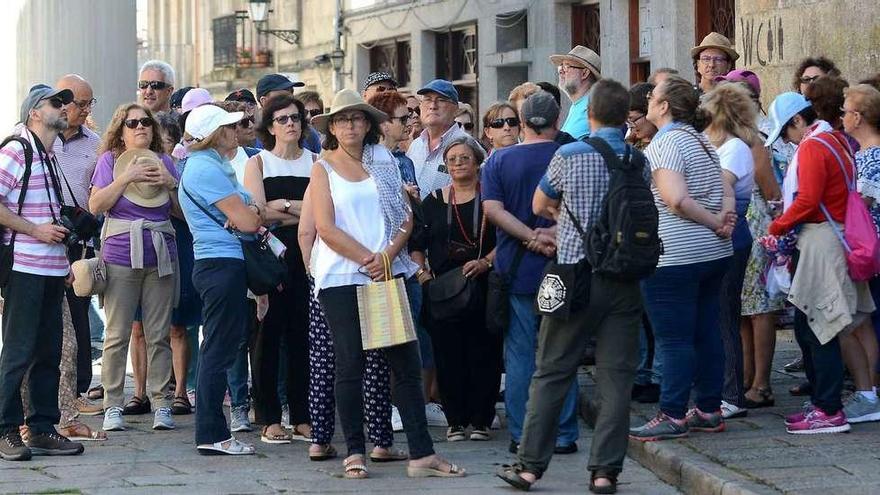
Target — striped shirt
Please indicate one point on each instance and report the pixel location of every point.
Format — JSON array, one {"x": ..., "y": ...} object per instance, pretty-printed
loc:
[
  {"x": 77, "y": 157},
  {"x": 685, "y": 241},
  {"x": 431, "y": 173},
  {"x": 31, "y": 255}
]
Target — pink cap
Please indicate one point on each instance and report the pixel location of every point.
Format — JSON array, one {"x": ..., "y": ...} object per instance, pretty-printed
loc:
[
  {"x": 194, "y": 98},
  {"x": 738, "y": 75}
]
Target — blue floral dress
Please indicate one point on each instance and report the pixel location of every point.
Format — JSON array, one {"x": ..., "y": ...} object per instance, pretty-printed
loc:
[{"x": 868, "y": 169}]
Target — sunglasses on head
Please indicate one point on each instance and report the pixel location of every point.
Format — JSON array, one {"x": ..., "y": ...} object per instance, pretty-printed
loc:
[
  {"x": 469, "y": 126},
  {"x": 315, "y": 111},
  {"x": 499, "y": 123},
  {"x": 283, "y": 119},
  {"x": 246, "y": 122},
  {"x": 154, "y": 85},
  {"x": 144, "y": 121}
]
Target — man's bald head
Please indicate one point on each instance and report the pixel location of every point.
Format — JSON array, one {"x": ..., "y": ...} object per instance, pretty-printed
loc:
[{"x": 81, "y": 106}]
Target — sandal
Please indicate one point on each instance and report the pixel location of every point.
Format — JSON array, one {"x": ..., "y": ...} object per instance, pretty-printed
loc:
[
  {"x": 302, "y": 432},
  {"x": 511, "y": 474},
  {"x": 137, "y": 406},
  {"x": 181, "y": 406},
  {"x": 610, "y": 488},
  {"x": 388, "y": 455},
  {"x": 453, "y": 471},
  {"x": 355, "y": 468},
  {"x": 276, "y": 438},
  {"x": 79, "y": 432},
  {"x": 96, "y": 393},
  {"x": 767, "y": 399},
  {"x": 327, "y": 452},
  {"x": 232, "y": 447}
]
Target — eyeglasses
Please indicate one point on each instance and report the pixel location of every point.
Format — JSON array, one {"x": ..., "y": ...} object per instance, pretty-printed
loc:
[
  {"x": 154, "y": 85},
  {"x": 468, "y": 126},
  {"x": 845, "y": 111},
  {"x": 246, "y": 123},
  {"x": 283, "y": 119},
  {"x": 354, "y": 120},
  {"x": 499, "y": 123},
  {"x": 567, "y": 67},
  {"x": 414, "y": 110},
  {"x": 809, "y": 79},
  {"x": 83, "y": 104},
  {"x": 713, "y": 60},
  {"x": 404, "y": 119},
  {"x": 466, "y": 158},
  {"x": 133, "y": 123},
  {"x": 634, "y": 122},
  {"x": 315, "y": 111},
  {"x": 436, "y": 100}
]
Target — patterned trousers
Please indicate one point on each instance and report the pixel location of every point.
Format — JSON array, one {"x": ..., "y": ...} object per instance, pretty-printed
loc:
[
  {"x": 67, "y": 384},
  {"x": 322, "y": 406}
]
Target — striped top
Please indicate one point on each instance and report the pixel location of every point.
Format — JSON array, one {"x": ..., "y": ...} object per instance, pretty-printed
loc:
[
  {"x": 685, "y": 241},
  {"x": 31, "y": 255},
  {"x": 77, "y": 157}
]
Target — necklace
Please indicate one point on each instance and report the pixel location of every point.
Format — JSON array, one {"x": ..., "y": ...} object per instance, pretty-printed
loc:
[{"x": 454, "y": 206}]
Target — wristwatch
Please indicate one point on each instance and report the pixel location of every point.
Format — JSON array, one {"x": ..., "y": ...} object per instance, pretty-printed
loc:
[{"x": 287, "y": 206}]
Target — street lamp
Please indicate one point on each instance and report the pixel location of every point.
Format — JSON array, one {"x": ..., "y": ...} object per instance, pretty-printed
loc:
[
  {"x": 337, "y": 58},
  {"x": 259, "y": 13}
]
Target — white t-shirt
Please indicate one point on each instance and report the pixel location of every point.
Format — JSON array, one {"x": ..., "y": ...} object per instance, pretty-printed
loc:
[
  {"x": 238, "y": 162},
  {"x": 736, "y": 158}
]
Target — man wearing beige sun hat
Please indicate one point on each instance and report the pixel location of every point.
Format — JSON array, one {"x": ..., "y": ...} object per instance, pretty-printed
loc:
[
  {"x": 578, "y": 70},
  {"x": 713, "y": 57}
]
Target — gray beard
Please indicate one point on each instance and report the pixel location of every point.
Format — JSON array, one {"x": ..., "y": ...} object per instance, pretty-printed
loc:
[
  {"x": 58, "y": 124},
  {"x": 570, "y": 87}
]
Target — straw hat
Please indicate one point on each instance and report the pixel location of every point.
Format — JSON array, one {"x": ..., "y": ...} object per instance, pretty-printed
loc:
[
  {"x": 141, "y": 193},
  {"x": 581, "y": 55},
  {"x": 715, "y": 40},
  {"x": 347, "y": 99}
]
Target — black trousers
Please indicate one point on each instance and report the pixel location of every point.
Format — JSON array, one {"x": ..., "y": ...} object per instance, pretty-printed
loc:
[
  {"x": 287, "y": 318},
  {"x": 32, "y": 334},
  {"x": 468, "y": 362},
  {"x": 79, "y": 313}
]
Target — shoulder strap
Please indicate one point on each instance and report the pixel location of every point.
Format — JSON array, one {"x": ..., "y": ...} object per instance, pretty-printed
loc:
[
  {"x": 259, "y": 163},
  {"x": 612, "y": 161},
  {"x": 25, "y": 179},
  {"x": 206, "y": 212},
  {"x": 850, "y": 182},
  {"x": 695, "y": 136}
]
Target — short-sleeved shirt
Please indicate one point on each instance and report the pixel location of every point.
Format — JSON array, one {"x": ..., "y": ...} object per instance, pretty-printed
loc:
[
  {"x": 736, "y": 157},
  {"x": 578, "y": 176},
  {"x": 31, "y": 255},
  {"x": 117, "y": 249},
  {"x": 684, "y": 241},
  {"x": 210, "y": 178},
  {"x": 406, "y": 167},
  {"x": 431, "y": 173},
  {"x": 510, "y": 176},
  {"x": 576, "y": 123},
  {"x": 77, "y": 158},
  {"x": 868, "y": 169}
]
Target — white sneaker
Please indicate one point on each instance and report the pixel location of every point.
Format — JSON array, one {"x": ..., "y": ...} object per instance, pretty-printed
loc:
[
  {"x": 113, "y": 420},
  {"x": 731, "y": 411},
  {"x": 162, "y": 419},
  {"x": 434, "y": 414},
  {"x": 396, "y": 422}
]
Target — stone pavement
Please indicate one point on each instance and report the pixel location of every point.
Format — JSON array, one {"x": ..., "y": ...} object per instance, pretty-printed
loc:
[
  {"x": 142, "y": 461},
  {"x": 756, "y": 455}
]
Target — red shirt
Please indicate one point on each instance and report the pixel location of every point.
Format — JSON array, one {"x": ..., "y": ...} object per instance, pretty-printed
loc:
[{"x": 819, "y": 181}]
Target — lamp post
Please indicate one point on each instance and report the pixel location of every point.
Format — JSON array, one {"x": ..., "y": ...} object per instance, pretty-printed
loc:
[{"x": 259, "y": 13}]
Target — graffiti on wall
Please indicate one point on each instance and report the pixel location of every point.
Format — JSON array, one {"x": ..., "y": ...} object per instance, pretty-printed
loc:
[{"x": 762, "y": 40}]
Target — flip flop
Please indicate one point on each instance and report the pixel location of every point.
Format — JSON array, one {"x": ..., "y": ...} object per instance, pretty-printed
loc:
[
  {"x": 434, "y": 472},
  {"x": 327, "y": 452},
  {"x": 388, "y": 455},
  {"x": 297, "y": 434},
  {"x": 278, "y": 438}
]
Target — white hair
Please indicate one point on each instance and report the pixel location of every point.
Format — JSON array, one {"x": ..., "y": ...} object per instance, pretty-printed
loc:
[{"x": 161, "y": 66}]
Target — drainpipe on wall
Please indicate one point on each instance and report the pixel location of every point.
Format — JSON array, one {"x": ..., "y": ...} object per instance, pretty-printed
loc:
[{"x": 337, "y": 47}]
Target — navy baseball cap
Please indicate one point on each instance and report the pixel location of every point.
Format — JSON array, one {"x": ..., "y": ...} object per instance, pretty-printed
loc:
[
  {"x": 243, "y": 95},
  {"x": 177, "y": 97},
  {"x": 275, "y": 82},
  {"x": 442, "y": 87}
]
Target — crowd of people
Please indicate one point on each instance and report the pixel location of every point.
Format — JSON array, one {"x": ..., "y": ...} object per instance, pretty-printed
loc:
[{"x": 481, "y": 220}]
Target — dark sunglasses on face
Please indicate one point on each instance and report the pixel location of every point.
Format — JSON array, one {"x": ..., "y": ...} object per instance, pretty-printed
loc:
[
  {"x": 499, "y": 123},
  {"x": 246, "y": 122},
  {"x": 56, "y": 102},
  {"x": 414, "y": 110},
  {"x": 144, "y": 121},
  {"x": 154, "y": 85},
  {"x": 283, "y": 119},
  {"x": 315, "y": 111},
  {"x": 469, "y": 126}
]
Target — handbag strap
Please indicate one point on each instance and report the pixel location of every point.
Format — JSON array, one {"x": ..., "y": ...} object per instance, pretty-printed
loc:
[
  {"x": 386, "y": 265},
  {"x": 479, "y": 228},
  {"x": 850, "y": 186}
]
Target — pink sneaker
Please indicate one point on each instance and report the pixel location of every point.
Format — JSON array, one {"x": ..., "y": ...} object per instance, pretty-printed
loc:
[
  {"x": 797, "y": 417},
  {"x": 816, "y": 421}
]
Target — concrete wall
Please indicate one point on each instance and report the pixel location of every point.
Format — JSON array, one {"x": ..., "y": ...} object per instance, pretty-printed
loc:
[{"x": 773, "y": 37}]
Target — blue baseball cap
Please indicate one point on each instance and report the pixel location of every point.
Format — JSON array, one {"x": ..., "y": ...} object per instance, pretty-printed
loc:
[
  {"x": 442, "y": 87},
  {"x": 783, "y": 108},
  {"x": 38, "y": 93}
]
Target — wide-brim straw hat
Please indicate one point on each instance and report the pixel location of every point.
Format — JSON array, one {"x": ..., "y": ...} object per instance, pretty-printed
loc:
[
  {"x": 346, "y": 100},
  {"x": 581, "y": 55},
  {"x": 715, "y": 40},
  {"x": 141, "y": 193}
]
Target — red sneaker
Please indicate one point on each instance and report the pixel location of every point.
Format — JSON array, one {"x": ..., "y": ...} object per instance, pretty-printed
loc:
[{"x": 816, "y": 421}]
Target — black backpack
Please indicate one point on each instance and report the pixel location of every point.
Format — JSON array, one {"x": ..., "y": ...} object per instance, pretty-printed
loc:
[{"x": 624, "y": 243}]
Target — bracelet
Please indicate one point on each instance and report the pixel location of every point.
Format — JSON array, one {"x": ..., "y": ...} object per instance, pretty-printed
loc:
[{"x": 487, "y": 262}]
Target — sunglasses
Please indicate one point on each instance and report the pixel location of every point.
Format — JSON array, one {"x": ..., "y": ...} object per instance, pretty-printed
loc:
[
  {"x": 315, "y": 111},
  {"x": 382, "y": 88},
  {"x": 717, "y": 60},
  {"x": 809, "y": 79},
  {"x": 403, "y": 120},
  {"x": 56, "y": 102},
  {"x": 469, "y": 126},
  {"x": 414, "y": 110},
  {"x": 284, "y": 119},
  {"x": 154, "y": 85},
  {"x": 499, "y": 123},
  {"x": 144, "y": 121},
  {"x": 246, "y": 122}
]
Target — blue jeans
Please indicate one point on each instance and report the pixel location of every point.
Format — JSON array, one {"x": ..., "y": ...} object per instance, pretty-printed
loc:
[
  {"x": 648, "y": 373},
  {"x": 683, "y": 305},
  {"x": 237, "y": 377},
  {"x": 426, "y": 345},
  {"x": 520, "y": 345},
  {"x": 96, "y": 322}
]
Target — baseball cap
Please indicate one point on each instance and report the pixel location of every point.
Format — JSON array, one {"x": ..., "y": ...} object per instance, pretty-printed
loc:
[
  {"x": 195, "y": 98},
  {"x": 742, "y": 75},
  {"x": 540, "y": 110},
  {"x": 377, "y": 77},
  {"x": 41, "y": 92},
  {"x": 275, "y": 82},
  {"x": 243, "y": 95},
  {"x": 783, "y": 108},
  {"x": 441, "y": 87},
  {"x": 177, "y": 97},
  {"x": 204, "y": 120}
]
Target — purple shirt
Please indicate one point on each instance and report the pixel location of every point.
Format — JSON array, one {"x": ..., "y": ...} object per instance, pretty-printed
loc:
[{"x": 117, "y": 249}]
